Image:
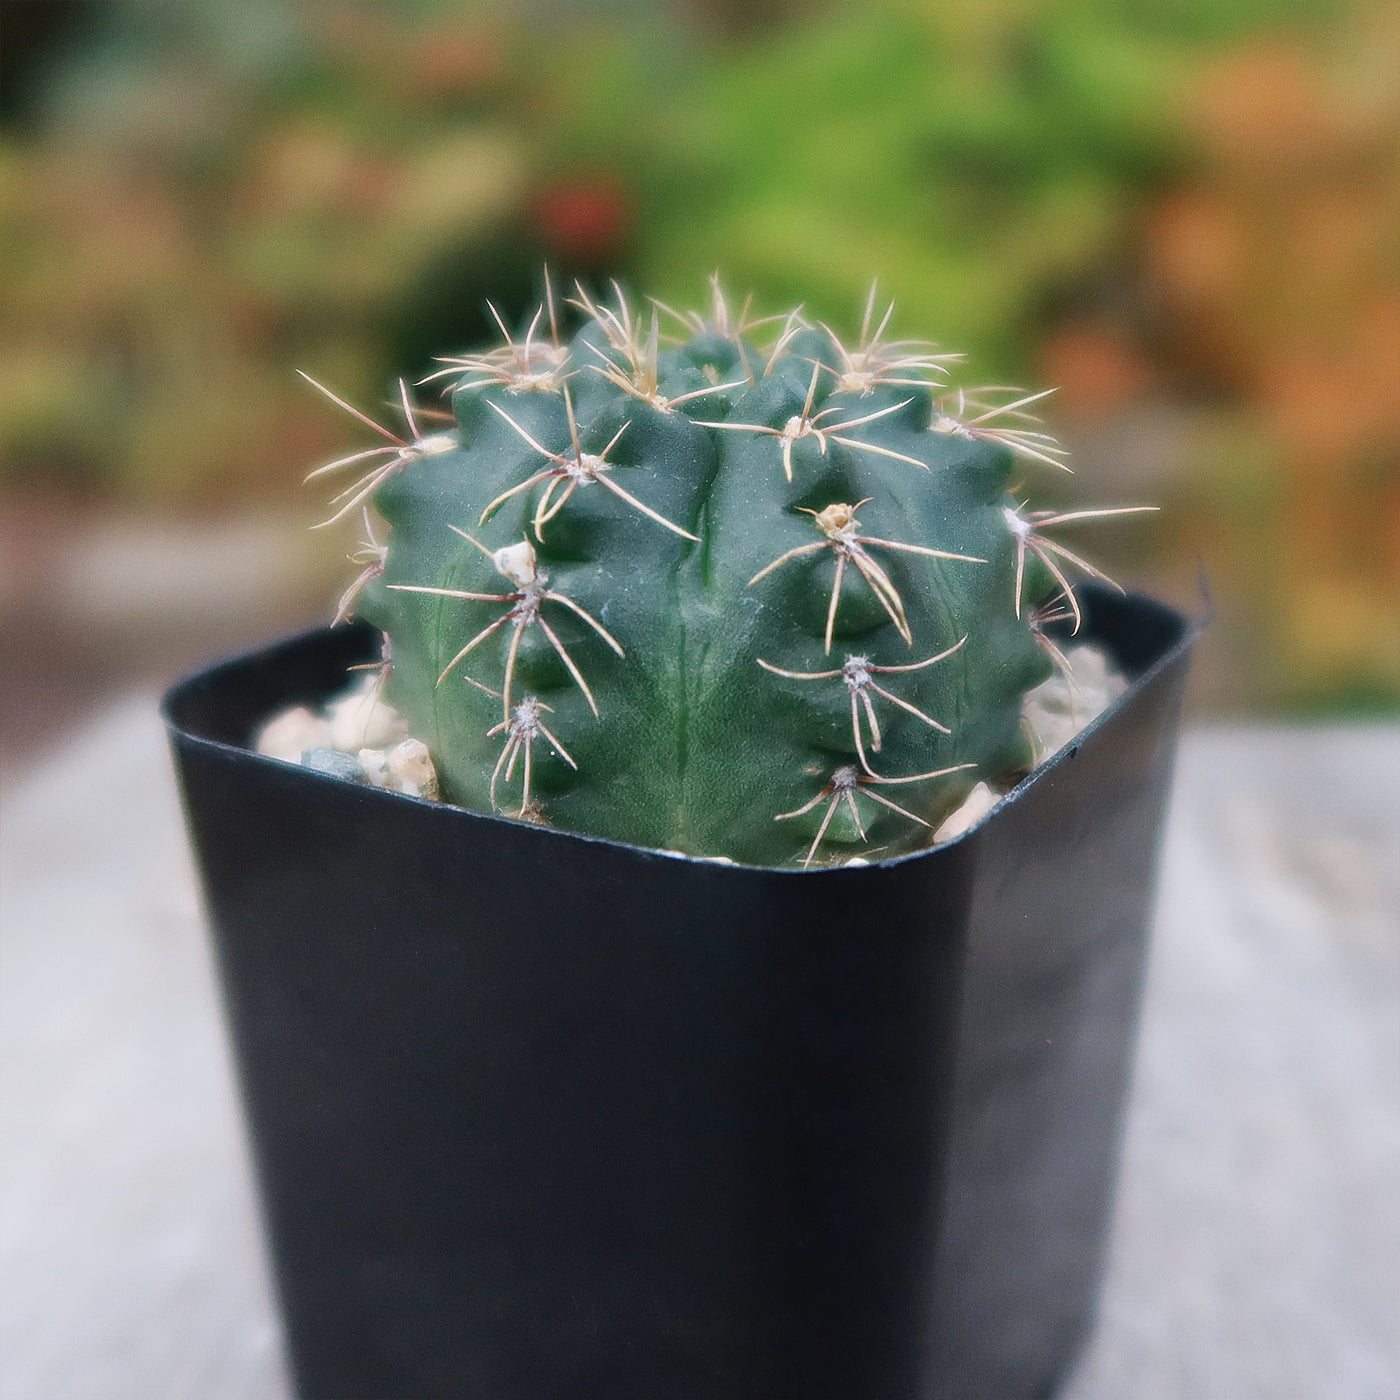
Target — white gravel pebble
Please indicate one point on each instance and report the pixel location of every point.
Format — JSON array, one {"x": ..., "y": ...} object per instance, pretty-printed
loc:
[
  {"x": 408, "y": 767},
  {"x": 1053, "y": 713},
  {"x": 361, "y": 719},
  {"x": 1059, "y": 708},
  {"x": 357, "y": 736},
  {"x": 288, "y": 735},
  {"x": 974, "y": 807}
]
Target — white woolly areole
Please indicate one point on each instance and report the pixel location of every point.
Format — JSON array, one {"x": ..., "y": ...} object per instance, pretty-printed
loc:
[
  {"x": 517, "y": 563},
  {"x": 1019, "y": 527},
  {"x": 436, "y": 444}
]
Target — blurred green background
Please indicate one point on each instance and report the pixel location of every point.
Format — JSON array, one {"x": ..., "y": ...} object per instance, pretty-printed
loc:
[{"x": 1184, "y": 213}]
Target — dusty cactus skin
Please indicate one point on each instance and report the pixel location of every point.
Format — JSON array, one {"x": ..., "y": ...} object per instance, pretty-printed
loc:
[{"x": 764, "y": 601}]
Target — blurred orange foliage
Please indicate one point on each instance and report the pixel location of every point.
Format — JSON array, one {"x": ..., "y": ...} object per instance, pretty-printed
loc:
[{"x": 1278, "y": 263}]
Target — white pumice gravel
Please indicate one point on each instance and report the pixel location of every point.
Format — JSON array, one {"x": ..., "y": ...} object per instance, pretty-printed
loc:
[
  {"x": 289, "y": 734},
  {"x": 360, "y": 719},
  {"x": 373, "y": 736},
  {"x": 409, "y": 768},
  {"x": 1053, "y": 713},
  {"x": 974, "y": 807},
  {"x": 358, "y": 736},
  {"x": 1056, "y": 710}
]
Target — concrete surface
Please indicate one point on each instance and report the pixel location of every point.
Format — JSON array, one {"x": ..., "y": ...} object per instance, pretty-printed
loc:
[{"x": 1257, "y": 1249}]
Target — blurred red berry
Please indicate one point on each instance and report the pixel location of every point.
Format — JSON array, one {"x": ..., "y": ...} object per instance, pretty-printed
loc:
[{"x": 584, "y": 219}]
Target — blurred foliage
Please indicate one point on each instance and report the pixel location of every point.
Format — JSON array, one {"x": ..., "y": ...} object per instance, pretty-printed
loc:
[
  {"x": 987, "y": 160},
  {"x": 1277, "y": 266},
  {"x": 1183, "y": 203},
  {"x": 214, "y": 195}
]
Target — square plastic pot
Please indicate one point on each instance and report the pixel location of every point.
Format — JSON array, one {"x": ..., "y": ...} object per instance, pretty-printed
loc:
[{"x": 539, "y": 1115}]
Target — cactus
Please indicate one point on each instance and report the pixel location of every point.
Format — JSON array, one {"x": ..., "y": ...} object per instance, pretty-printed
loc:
[{"x": 771, "y": 604}]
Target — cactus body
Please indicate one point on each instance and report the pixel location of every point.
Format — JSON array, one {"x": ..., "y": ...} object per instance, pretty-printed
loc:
[{"x": 765, "y": 605}]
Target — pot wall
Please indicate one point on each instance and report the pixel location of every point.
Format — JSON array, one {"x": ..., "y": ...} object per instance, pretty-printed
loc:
[{"x": 537, "y": 1115}]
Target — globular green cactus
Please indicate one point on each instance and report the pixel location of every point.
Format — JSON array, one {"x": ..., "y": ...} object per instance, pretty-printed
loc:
[{"x": 768, "y": 603}]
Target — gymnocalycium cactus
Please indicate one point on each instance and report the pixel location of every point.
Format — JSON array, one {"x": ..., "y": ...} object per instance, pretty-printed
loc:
[{"x": 770, "y": 602}]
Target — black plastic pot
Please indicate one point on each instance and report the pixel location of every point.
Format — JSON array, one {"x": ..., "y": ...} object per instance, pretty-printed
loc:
[{"x": 538, "y": 1115}]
